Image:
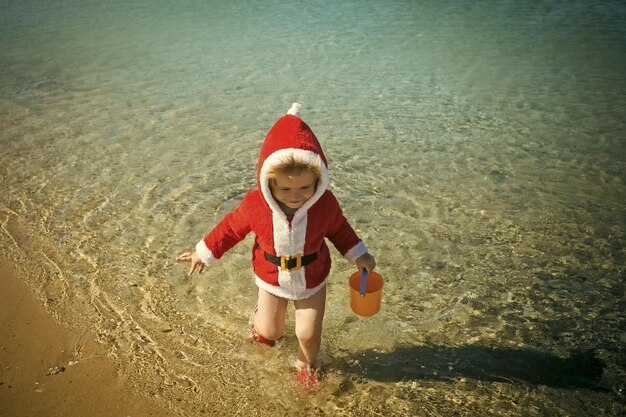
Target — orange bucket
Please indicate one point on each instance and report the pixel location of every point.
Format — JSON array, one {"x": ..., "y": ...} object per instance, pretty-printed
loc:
[{"x": 369, "y": 303}]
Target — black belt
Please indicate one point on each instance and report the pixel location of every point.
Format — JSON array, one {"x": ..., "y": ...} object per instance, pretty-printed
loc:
[{"x": 291, "y": 263}]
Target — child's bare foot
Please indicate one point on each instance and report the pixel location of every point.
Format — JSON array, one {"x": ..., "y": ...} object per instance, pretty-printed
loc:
[
  {"x": 260, "y": 339},
  {"x": 307, "y": 377}
]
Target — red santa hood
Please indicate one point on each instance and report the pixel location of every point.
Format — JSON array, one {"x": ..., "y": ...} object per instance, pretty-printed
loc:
[{"x": 290, "y": 136}]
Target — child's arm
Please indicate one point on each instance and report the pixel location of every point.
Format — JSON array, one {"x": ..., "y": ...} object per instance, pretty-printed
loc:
[
  {"x": 345, "y": 239},
  {"x": 231, "y": 230}
]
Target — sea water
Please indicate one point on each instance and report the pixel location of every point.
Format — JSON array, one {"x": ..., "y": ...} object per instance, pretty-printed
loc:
[{"x": 477, "y": 147}]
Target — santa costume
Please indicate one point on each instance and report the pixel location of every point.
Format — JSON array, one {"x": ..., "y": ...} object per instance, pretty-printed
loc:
[{"x": 290, "y": 257}]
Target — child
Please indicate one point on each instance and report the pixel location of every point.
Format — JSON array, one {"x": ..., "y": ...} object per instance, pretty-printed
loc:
[{"x": 291, "y": 212}]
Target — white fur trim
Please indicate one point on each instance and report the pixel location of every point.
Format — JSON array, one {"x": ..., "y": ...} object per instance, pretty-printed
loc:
[
  {"x": 357, "y": 251},
  {"x": 282, "y": 233},
  {"x": 295, "y": 109},
  {"x": 292, "y": 283},
  {"x": 288, "y": 292},
  {"x": 204, "y": 253},
  {"x": 298, "y": 233}
]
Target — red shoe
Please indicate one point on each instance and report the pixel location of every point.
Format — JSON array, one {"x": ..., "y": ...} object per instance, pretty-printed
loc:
[
  {"x": 307, "y": 377},
  {"x": 260, "y": 339}
]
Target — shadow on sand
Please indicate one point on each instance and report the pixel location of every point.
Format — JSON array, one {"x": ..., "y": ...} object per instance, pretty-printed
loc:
[{"x": 581, "y": 369}]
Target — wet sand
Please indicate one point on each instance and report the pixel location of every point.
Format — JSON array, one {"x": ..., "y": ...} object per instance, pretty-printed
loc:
[{"x": 49, "y": 370}]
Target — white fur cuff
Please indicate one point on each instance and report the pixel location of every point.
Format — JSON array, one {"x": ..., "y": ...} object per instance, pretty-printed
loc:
[
  {"x": 204, "y": 253},
  {"x": 358, "y": 250}
]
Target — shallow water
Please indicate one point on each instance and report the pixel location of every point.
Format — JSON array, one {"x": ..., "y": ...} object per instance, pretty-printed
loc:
[{"x": 477, "y": 147}]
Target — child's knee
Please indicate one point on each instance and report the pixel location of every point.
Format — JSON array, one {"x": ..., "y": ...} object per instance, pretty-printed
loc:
[
  {"x": 268, "y": 330},
  {"x": 308, "y": 334}
]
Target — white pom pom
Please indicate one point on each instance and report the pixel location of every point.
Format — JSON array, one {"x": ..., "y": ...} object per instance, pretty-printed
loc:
[{"x": 295, "y": 109}]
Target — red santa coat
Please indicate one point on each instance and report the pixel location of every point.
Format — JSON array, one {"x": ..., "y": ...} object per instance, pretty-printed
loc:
[{"x": 277, "y": 234}]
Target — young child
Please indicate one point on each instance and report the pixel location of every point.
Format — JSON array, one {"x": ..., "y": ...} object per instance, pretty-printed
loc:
[{"x": 290, "y": 212}]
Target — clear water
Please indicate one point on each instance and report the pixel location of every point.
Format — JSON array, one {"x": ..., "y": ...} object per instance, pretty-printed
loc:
[{"x": 476, "y": 146}]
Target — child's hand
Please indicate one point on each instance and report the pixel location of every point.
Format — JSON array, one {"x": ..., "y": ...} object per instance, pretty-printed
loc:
[
  {"x": 366, "y": 261},
  {"x": 196, "y": 263}
]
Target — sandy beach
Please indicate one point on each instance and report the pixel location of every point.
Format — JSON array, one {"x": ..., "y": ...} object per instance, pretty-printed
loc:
[{"x": 49, "y": 370}]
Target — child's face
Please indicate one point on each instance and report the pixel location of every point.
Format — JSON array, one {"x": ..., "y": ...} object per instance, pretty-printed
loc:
[{"x": 293, "y": 190}]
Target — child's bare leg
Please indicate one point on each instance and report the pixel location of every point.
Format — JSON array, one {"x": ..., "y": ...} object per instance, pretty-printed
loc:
[
  {"x": 269, "y": 319},
  {"x": 309, "y": 316}
]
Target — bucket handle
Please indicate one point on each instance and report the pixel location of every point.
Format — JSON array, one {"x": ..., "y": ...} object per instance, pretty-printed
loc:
[{"x": 363, "y": 281}]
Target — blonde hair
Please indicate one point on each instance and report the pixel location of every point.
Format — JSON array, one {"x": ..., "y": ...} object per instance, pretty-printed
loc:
[{"x": 290, "y": 166}]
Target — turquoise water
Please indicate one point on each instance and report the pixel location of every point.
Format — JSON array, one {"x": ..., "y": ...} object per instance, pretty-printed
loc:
[{"x": 477, "y": 147}]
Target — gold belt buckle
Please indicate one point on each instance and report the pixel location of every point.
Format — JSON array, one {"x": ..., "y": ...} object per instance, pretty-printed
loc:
[{"x": 284, "y": 259}]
